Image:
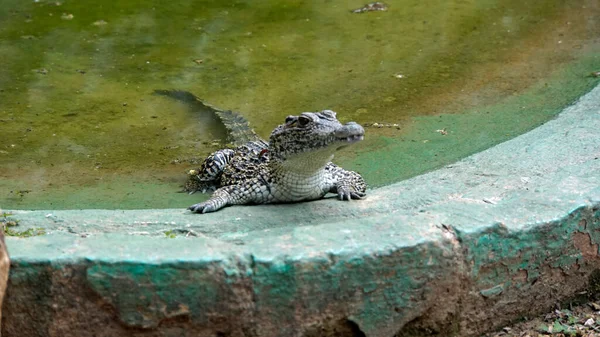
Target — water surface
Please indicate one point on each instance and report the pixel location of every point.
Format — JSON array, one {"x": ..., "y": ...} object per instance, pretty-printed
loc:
[{"x": 80, "y": 127}]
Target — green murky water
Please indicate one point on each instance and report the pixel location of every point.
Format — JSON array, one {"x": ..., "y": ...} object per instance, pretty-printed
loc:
[{"x": 80, "y": 128}]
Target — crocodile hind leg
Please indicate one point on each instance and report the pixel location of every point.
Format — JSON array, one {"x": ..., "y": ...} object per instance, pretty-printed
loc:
[
  {"x": 347, "y": 185},
  {"x": 254, "y": 191},
  {"x": 207, "y": 177}
]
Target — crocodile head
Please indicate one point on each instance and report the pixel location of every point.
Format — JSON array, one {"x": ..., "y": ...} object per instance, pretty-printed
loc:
[{"x": 309, "y": 141}]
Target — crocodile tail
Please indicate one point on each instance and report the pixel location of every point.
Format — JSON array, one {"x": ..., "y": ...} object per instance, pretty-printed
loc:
[{"x": 238, "y": 127}]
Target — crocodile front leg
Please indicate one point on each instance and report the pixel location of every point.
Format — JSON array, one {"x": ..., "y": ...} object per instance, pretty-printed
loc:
[
  {"x": 252, "y": 192},
  {"x": 346, "y": 184}
]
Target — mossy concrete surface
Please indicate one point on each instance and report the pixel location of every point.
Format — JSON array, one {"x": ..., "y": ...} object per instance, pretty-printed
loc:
[{"x": 508, "y": 232}]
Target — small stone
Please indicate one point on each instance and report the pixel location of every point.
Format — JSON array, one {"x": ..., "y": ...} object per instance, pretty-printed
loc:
[
  {"x": 589, "y": 322},
  {"x": 99, "y": 23},
  {"x": 596, "y": 74},
  {"x": 595, "y": 306},
  {"x": 398, "y": 76},
  {"x": 199, "y": 61},
  {"x": 66, "y": 16},
  {"x": 491, "y": 292}
]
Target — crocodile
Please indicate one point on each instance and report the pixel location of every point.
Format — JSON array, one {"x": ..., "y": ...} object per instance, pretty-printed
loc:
[{"x": 294, "y": 165}]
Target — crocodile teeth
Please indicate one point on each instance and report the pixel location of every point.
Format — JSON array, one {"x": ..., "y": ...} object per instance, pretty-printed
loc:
[{"x": 354, "y": 138}]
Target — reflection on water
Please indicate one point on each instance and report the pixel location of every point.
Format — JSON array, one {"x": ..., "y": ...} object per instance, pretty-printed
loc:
[{"x": 80, "y": 127}]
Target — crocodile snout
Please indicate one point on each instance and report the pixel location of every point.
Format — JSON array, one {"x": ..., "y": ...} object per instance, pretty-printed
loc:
[
  {"x": 351, "y": 132},
  {"x": 350, "y": 129}
]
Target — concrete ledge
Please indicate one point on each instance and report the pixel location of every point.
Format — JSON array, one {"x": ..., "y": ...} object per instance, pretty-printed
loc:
[{"x": 506, "y": 232}]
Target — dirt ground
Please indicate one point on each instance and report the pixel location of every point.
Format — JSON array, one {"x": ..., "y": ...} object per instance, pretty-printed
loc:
[{"x": 579, "y": 321}]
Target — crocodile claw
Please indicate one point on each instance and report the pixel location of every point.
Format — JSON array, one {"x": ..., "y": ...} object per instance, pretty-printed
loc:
[
  {"x": 344, "y": 194},
  {"x": 203, "y": 207}
]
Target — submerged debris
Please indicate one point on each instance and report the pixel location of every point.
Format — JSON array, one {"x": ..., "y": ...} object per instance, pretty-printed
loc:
[
  {"x": 20, "y": 193},
  {"x": 381, "y": 125},
  {"x": 371, "y": 7},
  {"x": 442, "y": 132},
  {"x": 596, "y": 74}
]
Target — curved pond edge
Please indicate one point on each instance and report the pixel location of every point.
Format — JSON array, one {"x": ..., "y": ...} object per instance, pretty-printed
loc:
[{"x": 504, "y": 233}]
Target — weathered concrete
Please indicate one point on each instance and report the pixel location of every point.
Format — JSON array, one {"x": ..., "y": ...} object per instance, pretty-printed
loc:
[{"x": 509, "y": 231}]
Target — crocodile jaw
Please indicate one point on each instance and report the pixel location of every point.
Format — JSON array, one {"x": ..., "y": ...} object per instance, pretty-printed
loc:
[
  {"x": 350, "y": 133},
  {"x": 314, "y": 156}
]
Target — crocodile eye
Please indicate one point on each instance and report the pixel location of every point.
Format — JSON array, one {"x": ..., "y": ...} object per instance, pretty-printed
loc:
[{"x": 303, "y": 121}]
